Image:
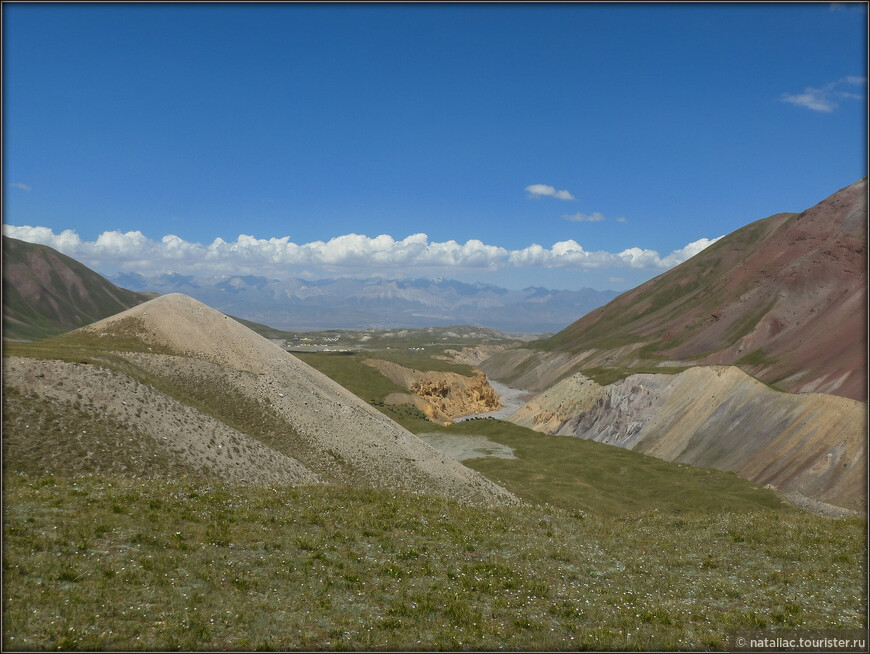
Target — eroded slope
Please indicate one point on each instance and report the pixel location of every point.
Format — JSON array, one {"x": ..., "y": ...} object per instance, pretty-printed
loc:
[
  {"x": 211, "y": 362},
  {"x": 72, "y": 418},
  {"x": 811, "y": 444}
]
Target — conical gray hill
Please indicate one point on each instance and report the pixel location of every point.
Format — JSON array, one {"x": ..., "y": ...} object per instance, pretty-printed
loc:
[{"x": 326, "y": 427}]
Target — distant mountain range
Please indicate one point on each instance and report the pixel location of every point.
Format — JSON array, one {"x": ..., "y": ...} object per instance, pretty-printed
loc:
[
  {"x": 303, "y": 305},
  {"x": 47, "y": 293}
]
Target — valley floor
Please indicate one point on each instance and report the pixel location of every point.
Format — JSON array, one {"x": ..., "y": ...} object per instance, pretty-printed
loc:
[{"x": 608, "y": 550}]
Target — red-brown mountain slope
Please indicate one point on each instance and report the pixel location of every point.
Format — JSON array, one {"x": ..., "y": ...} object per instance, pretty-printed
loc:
[
  {"x": 784, "y": 298},
  {"x": 47, "y": 293}
]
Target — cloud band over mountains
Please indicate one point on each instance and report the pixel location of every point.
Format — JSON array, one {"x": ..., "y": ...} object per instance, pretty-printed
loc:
[{"x": 350, "y": 253}]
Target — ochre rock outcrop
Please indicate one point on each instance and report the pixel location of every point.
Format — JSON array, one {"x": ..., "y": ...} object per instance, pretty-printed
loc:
[{"x": 442, "y": 396}]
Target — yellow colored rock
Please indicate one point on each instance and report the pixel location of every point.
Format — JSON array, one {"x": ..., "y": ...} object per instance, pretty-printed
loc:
[{"x": 445, "y": 395}]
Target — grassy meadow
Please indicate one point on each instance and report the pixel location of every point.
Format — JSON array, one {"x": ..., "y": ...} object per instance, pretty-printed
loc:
[
  {"x": 97, "y": 563},
  {"x": 611, "y": 550}
]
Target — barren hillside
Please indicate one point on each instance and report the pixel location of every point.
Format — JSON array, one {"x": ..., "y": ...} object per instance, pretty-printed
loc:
[
  {"x": 784, "y": 298},
  {"x": 47, "y": 293},
  {"x": 221, "y": 369},
  {"x": 810, "y": 444},
  {"x": 70, "y": 418}
]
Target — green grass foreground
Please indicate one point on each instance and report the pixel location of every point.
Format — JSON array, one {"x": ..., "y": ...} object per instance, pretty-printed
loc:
[{"x": 121, "y": 564}]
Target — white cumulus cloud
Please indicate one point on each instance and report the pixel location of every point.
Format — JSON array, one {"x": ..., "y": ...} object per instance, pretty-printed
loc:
[
  {"x": 578, "y": 217},
  {"x": 570, "y": 254},
  {"x": 827, "y": 98},
  {"x": 693, "y": 248},
  {"x": 115, "y": 251},
  {"x": 545, "y": 190}
]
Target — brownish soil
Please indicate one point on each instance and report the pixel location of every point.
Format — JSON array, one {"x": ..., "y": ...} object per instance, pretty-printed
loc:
[{"x": 47, "y": 293}]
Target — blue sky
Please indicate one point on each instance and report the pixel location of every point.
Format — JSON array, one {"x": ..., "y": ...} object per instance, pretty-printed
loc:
[{"x": 566, "y": 145}]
